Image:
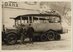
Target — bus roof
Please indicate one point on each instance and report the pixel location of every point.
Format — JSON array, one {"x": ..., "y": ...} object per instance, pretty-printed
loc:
[{"x": 34, "y": 16}]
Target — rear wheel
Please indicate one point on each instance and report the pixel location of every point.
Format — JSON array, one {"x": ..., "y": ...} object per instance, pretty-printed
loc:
[
  {"x": 11, "y": 38},
  {"x": 43, "y": 37},
  {"x": 57, "y": 36},
  {"x": 51, "y": 35}
]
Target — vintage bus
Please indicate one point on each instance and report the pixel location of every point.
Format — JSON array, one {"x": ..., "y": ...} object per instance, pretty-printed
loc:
[{"x": 44, "y": 27}]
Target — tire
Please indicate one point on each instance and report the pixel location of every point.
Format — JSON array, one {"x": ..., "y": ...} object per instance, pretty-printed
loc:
[
  {"x": 57, "y": 36},
  {"x": 11, "y": 39},
  {"x": 51, "y": 35},
  {"x": 43, "y": 37}
]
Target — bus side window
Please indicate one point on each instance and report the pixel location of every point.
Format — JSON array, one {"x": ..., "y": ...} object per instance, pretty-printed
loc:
[
  {"x": 54, "y": 19},
  {"x": 50, "y": 20}
]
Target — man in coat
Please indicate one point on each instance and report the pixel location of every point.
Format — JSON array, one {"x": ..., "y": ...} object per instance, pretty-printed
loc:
[{"x": 30, "y": 33}]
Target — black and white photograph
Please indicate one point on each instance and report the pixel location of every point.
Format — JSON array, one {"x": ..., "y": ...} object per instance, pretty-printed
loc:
[{"x": 34, "y": 25}]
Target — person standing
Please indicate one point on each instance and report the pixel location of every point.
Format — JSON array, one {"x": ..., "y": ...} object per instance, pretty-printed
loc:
[
  {"x": 30, "y": 33},
  {"x": 23, "y": 34}
]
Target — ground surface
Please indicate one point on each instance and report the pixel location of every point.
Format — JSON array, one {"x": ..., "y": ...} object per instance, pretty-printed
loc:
[{"x": 63, "y": 44}]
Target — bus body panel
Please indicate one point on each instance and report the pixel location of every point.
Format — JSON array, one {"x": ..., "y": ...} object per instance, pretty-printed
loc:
[{"x": 43, "y": 27}]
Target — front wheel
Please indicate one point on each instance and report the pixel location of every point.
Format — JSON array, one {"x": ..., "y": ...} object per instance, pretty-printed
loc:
[{"x": 11, "y": 39}]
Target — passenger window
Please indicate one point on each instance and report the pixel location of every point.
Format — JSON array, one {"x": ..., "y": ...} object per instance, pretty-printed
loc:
[
  {"x": 54, "y": 19},
  {"x": 35, "y": 21}
]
